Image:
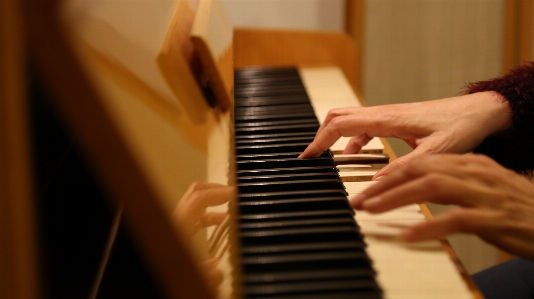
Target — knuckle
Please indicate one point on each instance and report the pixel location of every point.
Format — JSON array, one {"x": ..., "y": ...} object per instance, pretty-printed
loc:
[
  {"x": 331, "y": 115},
  {"x": 460, "y": 220},
  {"x": 196, "y": 196},
  {"x": 334, "y": 112},
  {"x": 196, "y": 185},
  {"x": 483, "y": 160},
  {"x": 413, "y": 167},
  {"x": 336, "y": 124},
  {"x": 435, "y": 182},
  {"x": 335, "y": 121}
]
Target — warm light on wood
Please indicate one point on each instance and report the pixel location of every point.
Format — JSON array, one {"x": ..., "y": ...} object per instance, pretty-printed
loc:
[{"x": 18, "y": 261}]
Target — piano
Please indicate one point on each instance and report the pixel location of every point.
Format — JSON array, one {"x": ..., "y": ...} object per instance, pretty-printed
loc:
[{"x": 138, "y": 104}]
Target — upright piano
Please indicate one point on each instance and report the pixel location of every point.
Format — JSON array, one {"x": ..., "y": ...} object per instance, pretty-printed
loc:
[{"x": 165, "y": 162}]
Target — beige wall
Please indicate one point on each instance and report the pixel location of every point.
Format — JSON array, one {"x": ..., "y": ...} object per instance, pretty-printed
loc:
[
  {"x": 417, "y": 50},
  {"x": 288, "y": 14}
]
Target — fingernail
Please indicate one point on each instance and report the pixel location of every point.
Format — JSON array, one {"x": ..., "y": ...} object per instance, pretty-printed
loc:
[{"x": 378, "y": 178}]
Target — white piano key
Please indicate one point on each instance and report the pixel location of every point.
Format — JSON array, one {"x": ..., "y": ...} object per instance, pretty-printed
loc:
[{"x": 354, "y": 188}]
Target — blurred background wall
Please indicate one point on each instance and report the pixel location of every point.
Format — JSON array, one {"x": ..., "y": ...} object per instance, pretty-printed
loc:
[{"x": 411, "y": 50}]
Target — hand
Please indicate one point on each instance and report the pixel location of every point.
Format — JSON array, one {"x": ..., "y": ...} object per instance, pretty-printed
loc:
[
  {"x": 494, "y": 203},
  {"x": 452, "y": 125},
  {"x": 190, "y": 213}
]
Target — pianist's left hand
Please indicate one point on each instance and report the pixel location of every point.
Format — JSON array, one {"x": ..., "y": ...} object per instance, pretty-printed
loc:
[
  {"x": 190, "y": 214},
  {"x": 495, "y": 203}
]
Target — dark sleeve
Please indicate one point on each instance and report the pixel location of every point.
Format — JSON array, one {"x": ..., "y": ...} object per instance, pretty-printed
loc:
[{"x": 516, "y": 150}]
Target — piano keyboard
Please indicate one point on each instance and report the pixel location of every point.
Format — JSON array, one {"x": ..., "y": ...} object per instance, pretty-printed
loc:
[{"x": 298, "y": 237}]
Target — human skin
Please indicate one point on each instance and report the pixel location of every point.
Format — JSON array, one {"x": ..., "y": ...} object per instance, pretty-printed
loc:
[
  {"x": 451, "y": 125},
  {"x": 493, "y": 202}
]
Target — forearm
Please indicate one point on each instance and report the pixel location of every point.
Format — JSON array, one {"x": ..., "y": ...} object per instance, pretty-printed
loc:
[{"x": 515, "y": 148}]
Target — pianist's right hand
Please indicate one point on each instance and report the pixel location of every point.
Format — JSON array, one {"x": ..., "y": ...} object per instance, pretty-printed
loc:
[{"x": 451, "y": 125}]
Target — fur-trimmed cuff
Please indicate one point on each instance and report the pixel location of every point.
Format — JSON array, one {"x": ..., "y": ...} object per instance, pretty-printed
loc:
[{"x": 517, "y": 86}]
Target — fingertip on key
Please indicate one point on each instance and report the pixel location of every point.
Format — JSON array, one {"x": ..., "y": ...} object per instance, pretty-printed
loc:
[
  {"x": 356, "y": 201},
  {"x": 310, "y": 152}
]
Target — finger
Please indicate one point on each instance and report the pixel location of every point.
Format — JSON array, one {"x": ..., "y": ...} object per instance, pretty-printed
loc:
[
  {"x": 202, "y": 199},
  {"x": 418, "y": 153},
  {"x": 403, "y": 168},
  {"x": 195, "y": 205},
  {"x": 322, "y": 142},
  {"x": 459, "y": 220},
  {"x": 217, "y": 196},
  {"x": 337, "y": 112},
  {"x": 213, "y": 275},
  {"x": 311, "y": 151},
  {"x": 196, "y": 186},
  {"x": 393, "y": 166},
  {"x": 356, "y": 143},
  {"x": 396, "y": 174},
  {"x": 434, "y": 187},
  {"x": 212, "y": 218},
  {"x": 331, "y": 131}
]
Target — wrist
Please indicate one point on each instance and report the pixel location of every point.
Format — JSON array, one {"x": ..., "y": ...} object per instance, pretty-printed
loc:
[{"x": 497, "y": 110}]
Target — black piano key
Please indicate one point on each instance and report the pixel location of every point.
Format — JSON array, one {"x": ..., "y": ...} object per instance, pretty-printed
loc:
[
  {"x": 282, "y": 186},
  {"x": 280, "y": 79},
  {"x": 257, "y": 78},
  {"x": 293, "y": 205},
  {"x": 249, "y": 139},
  {"x": 300, "y": 235},
  {"x": 283, "y": 163},
  {"x": 246, "y": 120},
  {"x": 277, "y": 141},
  {"x": 278, "y": 123},
  {"x": 284, "y": 171},
  {"x": 274, "y": 195},
  {"x": 276, "y": 117},
  {"x": 362, "y": 288},
  {"x": 268, "y": 101},
  {"x": 288, "y": 109},
  {"x": 286, "y": 177},
  {"x": 324, "y": 295},
  {"x": 308, "y": 275},
  {"x": 306, "y": 261},
  {"x": 264, "y": 92},
  {"x": 267, "y": 156},
  {"x": 296, "y": 223},
  {"x": 345, "y": 245},
  {"x": 265, "y": 71},
  {"x": 266, "y": 83},
  {"x": 271, "y": 148},
  {"x": 290, "y": 216},
  {"x": 312, "y": 128}
]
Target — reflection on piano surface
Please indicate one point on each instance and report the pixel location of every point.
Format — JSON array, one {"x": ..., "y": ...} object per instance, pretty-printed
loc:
[{"x": 139, "y": 102}]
